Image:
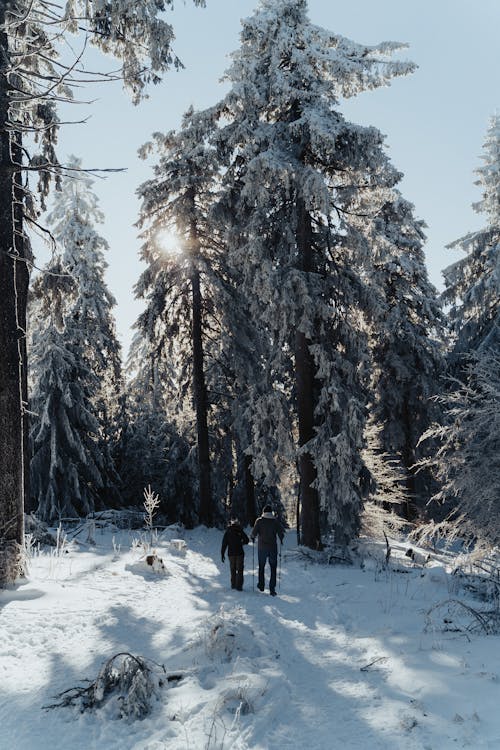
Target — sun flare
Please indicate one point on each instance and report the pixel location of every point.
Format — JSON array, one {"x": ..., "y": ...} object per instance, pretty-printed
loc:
[{"x": 169, "y": 243}]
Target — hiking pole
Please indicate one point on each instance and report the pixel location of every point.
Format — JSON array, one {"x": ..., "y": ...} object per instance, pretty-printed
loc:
[
  {"x": 253, "y": 566},
  {"x": 279, "y": 569}
]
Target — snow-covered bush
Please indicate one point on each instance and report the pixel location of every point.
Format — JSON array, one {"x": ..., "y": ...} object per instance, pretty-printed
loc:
[
  {"x": 226, "y": 637},
  {"x": 455, "y": 616},
  {"x": 237, "y": 701}
]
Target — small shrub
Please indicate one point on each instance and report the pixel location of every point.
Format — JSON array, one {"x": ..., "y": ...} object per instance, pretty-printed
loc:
[{"x": 151, "y": 503}]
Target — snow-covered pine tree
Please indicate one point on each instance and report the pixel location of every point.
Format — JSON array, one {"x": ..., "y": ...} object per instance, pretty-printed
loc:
[
  {"x": 473, "y": 283},
  {"x": 195, "y": 320},
  {"x": 406, "y": 343},
  {"x": 261, "y": 419},
  {"x": 182, "y": 283},
  {"x": 304, "y": 177},
  {"x": 66, "y": 464},
  {"x": 73, "y": 219},
  {"x": 32, "y": 81},
  {"x": 467, "y": 462}
]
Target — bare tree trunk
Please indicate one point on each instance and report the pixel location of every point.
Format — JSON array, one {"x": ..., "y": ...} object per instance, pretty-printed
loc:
[
  {"x": 251, "y": 512},
  {"x": 201, "y": 402},
  {"x": 22, "y": 288},
  {"x": 13, "y": 291},
  {"x": 304, "y": 383}
]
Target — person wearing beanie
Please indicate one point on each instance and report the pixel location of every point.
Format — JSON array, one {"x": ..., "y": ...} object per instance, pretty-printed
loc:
[
  {"x": 267, "y": 528},
  {"x": 233, "y": 540}
]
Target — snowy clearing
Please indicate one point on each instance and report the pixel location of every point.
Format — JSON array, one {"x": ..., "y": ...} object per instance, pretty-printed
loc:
[{"x": 344, "y": 657}]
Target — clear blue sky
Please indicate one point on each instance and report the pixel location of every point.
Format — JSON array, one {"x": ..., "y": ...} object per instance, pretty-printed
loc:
[{"x": 434, "y": 121}]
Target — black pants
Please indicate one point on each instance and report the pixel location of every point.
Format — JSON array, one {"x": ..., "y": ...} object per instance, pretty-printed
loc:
[{"x": 236, "y": 563}]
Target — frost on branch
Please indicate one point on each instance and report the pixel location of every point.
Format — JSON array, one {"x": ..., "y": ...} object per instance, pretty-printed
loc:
[{"x": 131, "y": 31}]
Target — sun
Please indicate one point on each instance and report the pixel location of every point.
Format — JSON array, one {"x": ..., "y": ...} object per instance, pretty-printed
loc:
[{"x": 168, "y": 243}]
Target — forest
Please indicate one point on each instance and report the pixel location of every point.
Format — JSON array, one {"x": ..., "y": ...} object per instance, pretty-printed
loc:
[{"x": 291, "y": 348}]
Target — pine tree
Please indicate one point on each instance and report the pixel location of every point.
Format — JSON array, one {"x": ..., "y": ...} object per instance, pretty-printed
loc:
[
  {"x": 195, "y": 320},
  {"x": 407, "y": 332},
  {"x": 73, "y": 219},
  {"x": 305, "y": 177},
  {"x": 66, "y": 468},
  {"x": 32, "y": 81},
  {"x": 467, "y": 462},
  {"x": 183, "y": 283},
  {"x": 473, "y": 283}
]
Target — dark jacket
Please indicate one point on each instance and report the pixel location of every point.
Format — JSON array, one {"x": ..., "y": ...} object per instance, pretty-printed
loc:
[
  {"x": 267, "y": 528},
  {"x": 233, "y": 540}
]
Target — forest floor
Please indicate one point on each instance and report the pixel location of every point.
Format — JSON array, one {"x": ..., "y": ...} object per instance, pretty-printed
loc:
[{"x": 344, "y": 657}]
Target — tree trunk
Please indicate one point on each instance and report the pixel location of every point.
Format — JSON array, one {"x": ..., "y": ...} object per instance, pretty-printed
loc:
[
  {"x": 22, "y": 288},
  {"x": 304, "y": 383},
  {"x": 200, "y": 402},
  {"x": 12, "y": 318},
  {"x": 251, "y": 512},
  {"x": 408, "y": 460}
]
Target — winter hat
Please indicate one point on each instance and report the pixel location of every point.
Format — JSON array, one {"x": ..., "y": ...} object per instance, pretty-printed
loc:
[{"x": 267, "y": 509}]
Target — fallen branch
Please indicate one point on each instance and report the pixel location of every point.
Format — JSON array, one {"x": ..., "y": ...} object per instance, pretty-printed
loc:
[
  {"x": 132, "y": 680},
  {"x": 375, "y": 661}
]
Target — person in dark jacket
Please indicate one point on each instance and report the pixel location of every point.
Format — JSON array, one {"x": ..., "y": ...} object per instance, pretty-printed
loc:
[
  {"x": 267, "y": 528},
  {"x": 233, "y": 540}
]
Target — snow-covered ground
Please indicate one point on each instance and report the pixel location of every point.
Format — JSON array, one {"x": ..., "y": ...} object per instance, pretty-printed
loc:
[{"x": 340, "y": 659}]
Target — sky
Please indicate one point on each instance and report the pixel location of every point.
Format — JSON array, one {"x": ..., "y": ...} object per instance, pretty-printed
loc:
[{"x": 434, "y": 121}]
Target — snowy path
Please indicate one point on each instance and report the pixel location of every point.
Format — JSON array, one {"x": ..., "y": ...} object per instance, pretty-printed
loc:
[{"x": 339, "y": 659}]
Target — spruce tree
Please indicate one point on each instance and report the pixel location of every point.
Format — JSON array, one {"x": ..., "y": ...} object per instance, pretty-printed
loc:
[
  {"x": 182, "y": 283},
  {"x": 73, "y": 219},
  {"x": 304, "y": 179},
  {"x": 195, "y": 323},
  {"x": 473, "y": 283},
  {"x": 465, "y": 463},
  {"x": 66, "y": 467},
  {"x": 467, "y": 459},
  {"x": 406, "y": 343}
]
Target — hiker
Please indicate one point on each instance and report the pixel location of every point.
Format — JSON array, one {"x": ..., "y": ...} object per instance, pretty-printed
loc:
[
  {"x": 233, "y": 540},
  {"x": 267, "y": 528}
]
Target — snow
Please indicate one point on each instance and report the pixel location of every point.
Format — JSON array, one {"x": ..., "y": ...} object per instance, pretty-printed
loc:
[{"x": 341, "y": 658}]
